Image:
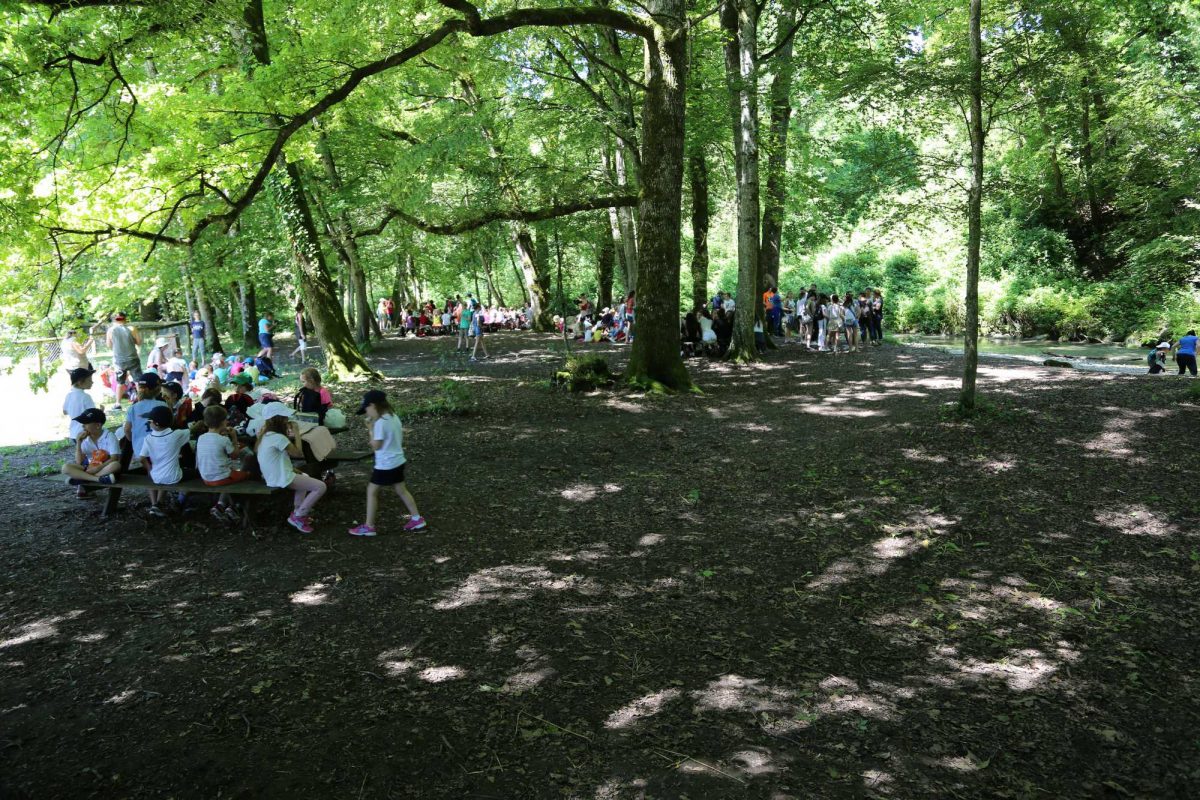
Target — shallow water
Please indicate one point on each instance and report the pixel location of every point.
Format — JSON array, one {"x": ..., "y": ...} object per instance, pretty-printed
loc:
[{"x": 1102, "y": 357}]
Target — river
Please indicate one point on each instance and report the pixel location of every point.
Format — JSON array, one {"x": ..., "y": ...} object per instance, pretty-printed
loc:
[{"x": 1094, "y": 357}]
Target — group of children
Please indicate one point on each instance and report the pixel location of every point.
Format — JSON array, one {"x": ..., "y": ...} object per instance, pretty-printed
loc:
[{"x": 161, "y": 423}]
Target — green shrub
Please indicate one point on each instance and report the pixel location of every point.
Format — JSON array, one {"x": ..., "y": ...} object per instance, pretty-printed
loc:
[
  {"x": 902, "y": 274},
  {"x": 583, "y": 373},
  {"x": 853, "y": 272}
]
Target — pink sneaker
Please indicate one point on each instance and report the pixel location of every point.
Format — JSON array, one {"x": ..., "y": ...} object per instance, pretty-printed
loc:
[
  {"x": 362, "y": 530},
  {"x": 300, "y": 523},
  {"x": 415, "y": 524}
]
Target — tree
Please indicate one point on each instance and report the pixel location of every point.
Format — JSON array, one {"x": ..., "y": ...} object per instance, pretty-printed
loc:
[{"x": 974, "y": 209}]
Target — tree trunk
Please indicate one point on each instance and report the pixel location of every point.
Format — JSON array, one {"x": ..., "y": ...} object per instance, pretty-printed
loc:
[
  {"x": 249, "y": 312},
  {"x": 625, "y": 221},
  {"x": 739, "y": 18},
  {"x": 533, "y": 279},
  {"x": 485, "y": 257},
  {"x": 606, "y": 254},
  {"x": 351, "y": 294},
  {"x": 520, "y": 278},
  {"x": 777, "y": 138},
  {"x": 367, "y": 324},
  {"x": 698, "y": 171},
  {"x": 974, "y": 213},
  {"x": 654, "y": 360},
  {"x": 342, "y": 357},
  {"x": 213, "y": 341}
]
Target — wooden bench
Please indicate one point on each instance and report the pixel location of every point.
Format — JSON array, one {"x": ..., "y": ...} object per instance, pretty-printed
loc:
[{"x": 247, "y": 489}]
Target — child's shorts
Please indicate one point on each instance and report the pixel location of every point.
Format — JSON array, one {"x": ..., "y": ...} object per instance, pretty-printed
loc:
[
  {"x": 388, "y": 477},
  {"x": 235, "y": 476}
]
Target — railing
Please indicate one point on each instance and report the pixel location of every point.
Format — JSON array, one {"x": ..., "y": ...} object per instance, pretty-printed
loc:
[{"x": 48, "y": 351}]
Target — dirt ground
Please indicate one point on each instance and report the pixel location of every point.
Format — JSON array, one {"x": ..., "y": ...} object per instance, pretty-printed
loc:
[{"x": 810, "y": 582}]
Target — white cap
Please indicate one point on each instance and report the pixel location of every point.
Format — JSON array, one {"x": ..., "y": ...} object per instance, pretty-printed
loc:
[
  {"x": 1163, "y": 346},
  {"x": 270, "y": 410}
]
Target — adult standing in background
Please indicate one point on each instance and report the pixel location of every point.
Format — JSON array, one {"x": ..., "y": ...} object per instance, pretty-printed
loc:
[
  {"x": 1185, "y": 353},
  {"x": 198, "y": 331},
  {"x": 266, "y": 336},
  {"x": 301, "y": 337},
  {"x": 126, "y": 360},
  {"x": 74, "y": 353}
]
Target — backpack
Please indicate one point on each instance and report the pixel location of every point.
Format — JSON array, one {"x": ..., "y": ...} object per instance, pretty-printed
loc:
[{"x": 819, "y": 313}]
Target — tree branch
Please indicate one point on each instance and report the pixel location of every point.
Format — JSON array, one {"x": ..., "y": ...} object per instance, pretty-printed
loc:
[{"x": 497, "y": 215}]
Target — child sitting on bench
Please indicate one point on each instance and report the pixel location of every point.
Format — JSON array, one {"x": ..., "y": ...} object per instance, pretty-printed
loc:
[{"x": 96, "y": 453}]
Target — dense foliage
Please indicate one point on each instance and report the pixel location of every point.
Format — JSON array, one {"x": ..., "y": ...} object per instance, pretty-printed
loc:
[{"x": 132, "y": 136}]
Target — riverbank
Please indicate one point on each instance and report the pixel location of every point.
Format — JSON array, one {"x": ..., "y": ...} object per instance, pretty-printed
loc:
[{"x": 1107, "y": 358}]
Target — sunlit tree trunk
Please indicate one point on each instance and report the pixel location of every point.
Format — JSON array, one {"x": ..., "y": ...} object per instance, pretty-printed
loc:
[
  {"x": 606, "y": 255},
  {"x": 739, "y": 18},
  {"x": 974, "y": 212},
  {"x": 698, "y": 172},
  {"x": 655, "y": 361},
  {"x": 777, "y": 139}
]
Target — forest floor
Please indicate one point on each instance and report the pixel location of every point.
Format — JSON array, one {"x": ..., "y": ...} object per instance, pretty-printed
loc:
[{"x": 813, "y": 581}]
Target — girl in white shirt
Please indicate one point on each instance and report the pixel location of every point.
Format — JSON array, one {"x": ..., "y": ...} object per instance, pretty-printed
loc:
[
  {"x": 278, "y": 442},
  {"x": 387, "y": 440}
]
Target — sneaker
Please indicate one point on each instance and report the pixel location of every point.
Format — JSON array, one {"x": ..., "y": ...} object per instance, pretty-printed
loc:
[
  {"x": 108, "y": 480},
  {"x": 330, "y": 479},
  {"x": 299, "y": 523},
  {"x": 155, "y": 511},
  {"x": 232, "y": 514},
  {"x": 362, "y": 530},
  {"x": 472, "y": 358},
  {"x": 415, "y": 524},
  {"x": 218, "y": 513},
  {"x": 81, "y": 492}
]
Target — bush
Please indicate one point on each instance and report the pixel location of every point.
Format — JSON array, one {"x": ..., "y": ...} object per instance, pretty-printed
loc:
[
  {"x": 853, "y": 272},
  {"x": 902, "y": 274},
  {"x": 584, "y": 373}
]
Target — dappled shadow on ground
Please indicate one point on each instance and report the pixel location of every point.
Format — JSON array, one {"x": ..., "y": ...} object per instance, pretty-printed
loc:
[{"x": 621, "y": 596}]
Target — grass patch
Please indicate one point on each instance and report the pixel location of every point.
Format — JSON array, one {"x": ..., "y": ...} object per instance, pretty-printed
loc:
[
  {"x": 584, "y": 373},
  {"x": 1192, "y": 393},
  {"x": 450, "y": 399}
]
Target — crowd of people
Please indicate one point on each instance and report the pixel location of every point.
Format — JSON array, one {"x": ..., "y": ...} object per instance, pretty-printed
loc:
[{"x": 213, "y": 422}]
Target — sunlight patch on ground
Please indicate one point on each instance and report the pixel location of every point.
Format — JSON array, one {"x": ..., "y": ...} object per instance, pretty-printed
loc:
[
  {"x": 647, "y": 706},
  {"x": 511, "y": 582},
  {"x": 314, "y": 594},
  {"x": 584, "y": 492},
  {"x": 441, "y": 674},
  {"x": 1136, "y": 519},
  {"x": 120, "y": 697},
  {"x": 823, "y": 410},
  {"x": 617, "y": 789},
  {"x": 39, "y": 629},
  {"x": 651, "y": 539},
  {"x": 913, "y": 454},
  {"x": 874, "y": 559}
]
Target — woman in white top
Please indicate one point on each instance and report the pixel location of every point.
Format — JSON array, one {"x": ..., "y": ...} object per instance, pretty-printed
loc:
[
  {"x": 850, "y": 314},
  {"x": 706, "y": 331},
  {"x": 279, "y": 442},
  {"x": 74, "y": 352},
  {"x": 835, "y": 323}
]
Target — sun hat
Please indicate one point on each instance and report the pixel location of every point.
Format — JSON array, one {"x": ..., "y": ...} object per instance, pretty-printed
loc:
[
  {"x": 373, "y": 396},
  {"x": 271, "y": 410},
  {"x": 241, "y": 379}
]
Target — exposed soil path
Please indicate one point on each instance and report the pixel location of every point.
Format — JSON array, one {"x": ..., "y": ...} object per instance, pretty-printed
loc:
[{"x": 810, "y": 582}]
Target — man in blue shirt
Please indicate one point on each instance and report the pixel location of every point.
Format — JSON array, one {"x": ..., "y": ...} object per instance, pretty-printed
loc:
[
  {"x": 1185, "y": 353},
  {"x": 198, "y": 332}
]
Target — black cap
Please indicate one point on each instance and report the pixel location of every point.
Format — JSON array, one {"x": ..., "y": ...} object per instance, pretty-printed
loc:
[
  {"x": 159, "y": 415},
  {"x": 150, "y": 379},
  {"x": 174, "y": 387},
  {"x": 79, "y": 373},
  {"x": 90, "y": 416},
  {"x": 373, "y": 396}
]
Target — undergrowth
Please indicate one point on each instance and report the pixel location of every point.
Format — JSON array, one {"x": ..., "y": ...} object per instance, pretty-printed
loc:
[
  {"x": 450, "y": 399},
  {"x": 583, "y": 374}
]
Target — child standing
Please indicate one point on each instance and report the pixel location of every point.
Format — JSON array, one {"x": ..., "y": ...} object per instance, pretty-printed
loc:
[
  {"x": 214, "y": 449},
  {"x": 387, "y": 436},
  {"x": 162, "y": 447},
  {"x": 95, "y": 452},
  {"x": 278, "y": 442},
  {"x": 78, "y": 400},
  {"x": 476, "y": 330}
]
